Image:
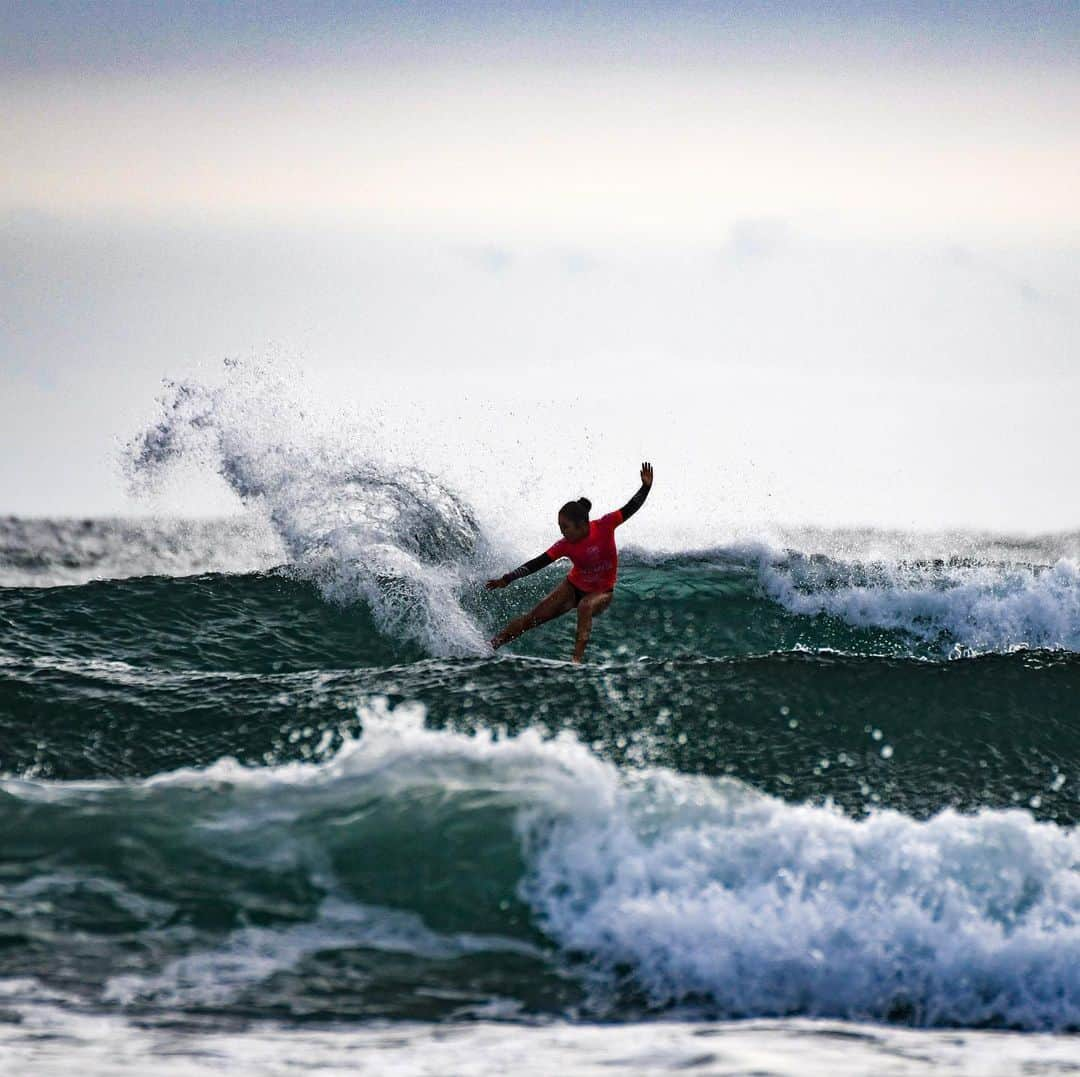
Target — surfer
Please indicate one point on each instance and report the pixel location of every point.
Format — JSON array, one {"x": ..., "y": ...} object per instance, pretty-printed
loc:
[{"x": 590, "y": 585}]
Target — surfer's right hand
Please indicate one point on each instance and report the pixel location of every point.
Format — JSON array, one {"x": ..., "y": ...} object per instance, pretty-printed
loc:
[{"x": 494, "y": 585}]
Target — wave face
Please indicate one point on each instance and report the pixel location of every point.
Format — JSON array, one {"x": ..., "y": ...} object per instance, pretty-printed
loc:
[{"x": 268, "y": 767}]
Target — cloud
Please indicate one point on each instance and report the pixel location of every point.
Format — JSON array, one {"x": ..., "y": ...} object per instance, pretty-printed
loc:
[
  {"x": 754, "y": 238},
  {"x": 1016, "y": 282},
  {"x": 488, "y": 257}
]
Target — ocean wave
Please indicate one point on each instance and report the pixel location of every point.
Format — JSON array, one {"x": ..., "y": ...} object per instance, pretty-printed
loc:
[
  {"x": 738, "y": 603},
  {"x": 650, "y": 888}
]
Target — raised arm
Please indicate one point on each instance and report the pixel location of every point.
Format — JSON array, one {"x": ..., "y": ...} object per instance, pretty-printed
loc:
[
  {"x": 638, "y": 499},
  {"x": 526, "y": 569}
]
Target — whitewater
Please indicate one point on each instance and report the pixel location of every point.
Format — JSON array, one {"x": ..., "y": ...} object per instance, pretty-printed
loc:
[{"x": 268, "y": 799}]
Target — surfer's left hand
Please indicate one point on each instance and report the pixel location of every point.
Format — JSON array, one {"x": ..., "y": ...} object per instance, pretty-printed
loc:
[{"x": 646, "y": 474}]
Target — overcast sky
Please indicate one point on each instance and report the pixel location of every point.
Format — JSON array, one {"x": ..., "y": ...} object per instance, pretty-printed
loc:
[{"x": 819, "y": 260}]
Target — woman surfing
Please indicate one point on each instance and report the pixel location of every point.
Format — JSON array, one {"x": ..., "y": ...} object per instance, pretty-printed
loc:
[{"x": 590, "y": 585}]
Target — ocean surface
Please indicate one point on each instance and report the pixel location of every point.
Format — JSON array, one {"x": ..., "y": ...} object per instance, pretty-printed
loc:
[{"x": 269, "y": 803}]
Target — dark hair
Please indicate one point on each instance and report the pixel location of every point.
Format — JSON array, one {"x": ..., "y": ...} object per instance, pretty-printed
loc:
[{"x": 577, "y": 512}]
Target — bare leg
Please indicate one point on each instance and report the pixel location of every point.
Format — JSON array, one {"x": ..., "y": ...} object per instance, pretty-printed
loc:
[
  {"x": 589, "y": 607},
  {"x": 560, "y": 601}
]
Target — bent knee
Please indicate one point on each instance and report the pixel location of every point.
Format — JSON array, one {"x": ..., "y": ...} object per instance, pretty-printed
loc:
[{"x": 594, "y": 605}]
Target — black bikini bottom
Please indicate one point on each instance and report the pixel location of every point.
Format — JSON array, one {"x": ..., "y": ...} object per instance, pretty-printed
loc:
[{"x": 579, "y": 594}]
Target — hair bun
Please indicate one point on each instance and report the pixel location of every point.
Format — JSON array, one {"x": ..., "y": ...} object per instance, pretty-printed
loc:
[{"x": 585, "y": 503}]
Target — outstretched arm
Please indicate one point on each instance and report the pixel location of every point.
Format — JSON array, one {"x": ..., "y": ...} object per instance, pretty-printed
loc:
[
  {"x": 526, "y": 569},
  {"x": 638, "y": 499}
]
